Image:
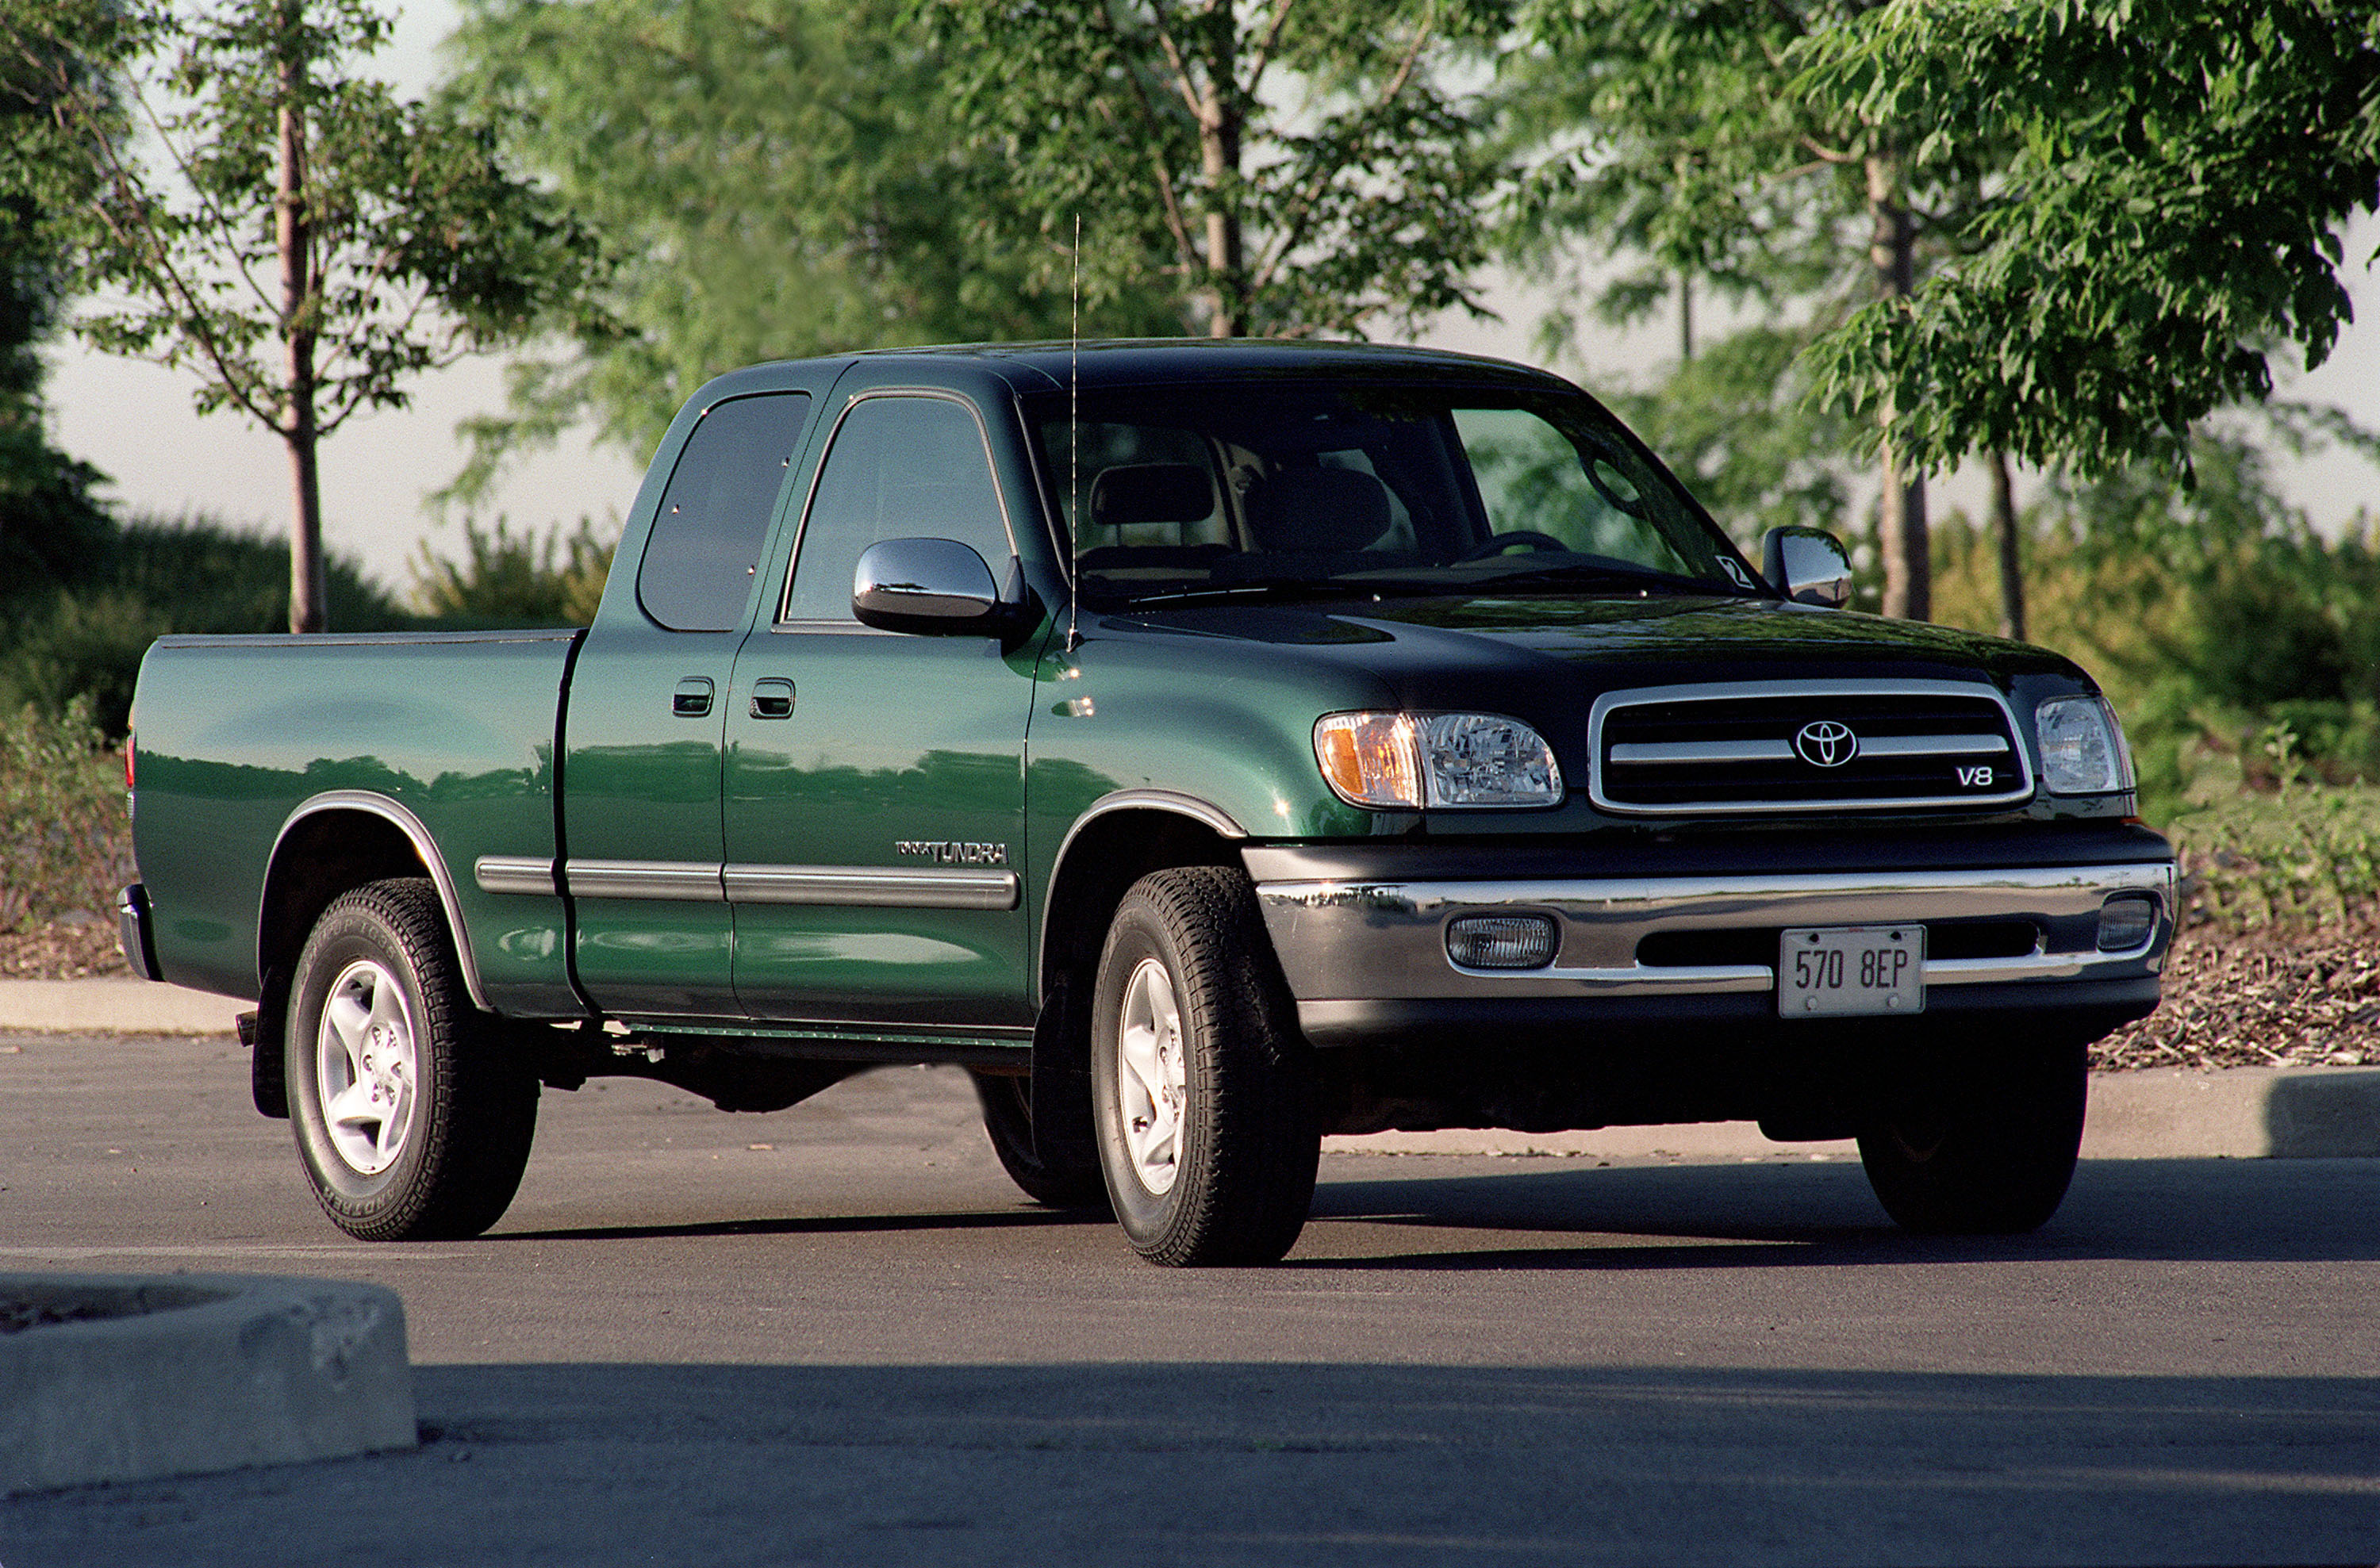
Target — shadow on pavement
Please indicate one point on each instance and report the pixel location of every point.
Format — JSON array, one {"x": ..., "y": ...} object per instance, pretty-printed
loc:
[
  {"x": 1225, "y": 1462},
  {"x": 1777, "y": 1214}
]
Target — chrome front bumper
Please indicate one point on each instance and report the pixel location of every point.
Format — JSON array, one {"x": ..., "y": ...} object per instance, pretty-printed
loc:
[{"x": 1383, "y": 941}]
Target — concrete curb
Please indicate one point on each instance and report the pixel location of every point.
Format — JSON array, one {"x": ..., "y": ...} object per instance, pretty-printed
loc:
[
  {"x": 192, "y": 1373},
  {"x": 2165, "y": 1114},
  {"x": 116, "y": 1005}
]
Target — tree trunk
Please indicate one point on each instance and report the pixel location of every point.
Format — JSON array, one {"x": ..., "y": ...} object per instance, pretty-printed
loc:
[
  {"x": 2004, "y": 530},
  {"x": 1686, "y": 318},
  {"x": 293, "y": 238},
  {"x": 1220, "y": 117},
  {"x": 1900, "y": 511}
]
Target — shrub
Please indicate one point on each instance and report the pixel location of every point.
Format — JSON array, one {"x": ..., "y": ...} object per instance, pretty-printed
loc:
[
  {"x": 2296, "y": 857},
  {"x": 144, "y": 579},
  {"x": 66, "y": 842},
  {"x": 507, "y": 579}
]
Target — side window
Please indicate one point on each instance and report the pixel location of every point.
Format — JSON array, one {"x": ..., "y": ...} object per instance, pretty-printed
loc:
[
  {"x": 901, "y": 467},
  {"x": 696, "y": 573}
]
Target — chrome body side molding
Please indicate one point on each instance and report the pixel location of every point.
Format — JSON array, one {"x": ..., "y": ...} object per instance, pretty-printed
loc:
[
  {"x": 513, "y": 873},
  {"x": 688, "y": 881},
  {"x": 912, "y": 888}
]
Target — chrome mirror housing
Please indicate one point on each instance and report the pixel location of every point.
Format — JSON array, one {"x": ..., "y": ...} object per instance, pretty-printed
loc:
[
  {"x": 1807, "y": 565},
  {"x": 925, "y": 586}
]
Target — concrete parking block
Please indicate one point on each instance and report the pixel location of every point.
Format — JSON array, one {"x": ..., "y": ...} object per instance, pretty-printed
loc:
[{"x": 124, "y": 1377}]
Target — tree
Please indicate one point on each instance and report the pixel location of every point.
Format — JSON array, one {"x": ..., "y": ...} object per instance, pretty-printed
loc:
[
  {"x": 778, "y": 177},
  {"x": 2168, "y": 216},
  {"x": 1683, "y": 133},
  {"x": 47, "y": 518},
  {"x": 1286, "y": 167},
  {"x": 305, "y": 242}
]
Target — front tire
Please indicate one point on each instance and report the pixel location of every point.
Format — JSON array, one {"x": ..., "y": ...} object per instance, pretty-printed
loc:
[
  {"x": 1981, "y": 1142},
  {"x": 1203, "y": 1089},
  {"x": 412, "y": 1121}
]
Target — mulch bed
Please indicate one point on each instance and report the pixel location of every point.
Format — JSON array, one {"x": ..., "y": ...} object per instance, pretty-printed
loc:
[
  {"x": 2232, "y": 999},
  {"x": 61, "y": 951},
  {"x": 2262, "y": 999}
]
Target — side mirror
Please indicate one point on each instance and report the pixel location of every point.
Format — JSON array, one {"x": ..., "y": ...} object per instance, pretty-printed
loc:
[
  {"x": 1807, "y": 565},
  {"x": 928, "y": 587}
]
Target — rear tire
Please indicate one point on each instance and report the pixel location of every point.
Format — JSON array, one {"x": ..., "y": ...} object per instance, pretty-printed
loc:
[
  {"x": 1202, "y": 1086},
  {"x": 412, "y": 1121},
  {"x": 1982, "y": 1144},
  {"x": 1008, "y": 1121}
]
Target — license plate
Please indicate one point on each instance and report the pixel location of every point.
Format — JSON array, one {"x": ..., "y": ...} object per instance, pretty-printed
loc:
[{"x": 1850, "y": 971}]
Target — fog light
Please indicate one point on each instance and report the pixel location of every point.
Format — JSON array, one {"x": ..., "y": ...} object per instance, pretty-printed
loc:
[
  {"x": 1501, "y": 941},
  {"x": 2125, "y": 922}
]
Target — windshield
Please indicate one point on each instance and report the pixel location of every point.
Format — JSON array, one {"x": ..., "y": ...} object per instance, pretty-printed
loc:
[{"x": 1184, "y": 491}]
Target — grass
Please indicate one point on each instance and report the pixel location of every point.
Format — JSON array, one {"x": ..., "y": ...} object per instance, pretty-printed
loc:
[{"x": 2303, "y": 856}]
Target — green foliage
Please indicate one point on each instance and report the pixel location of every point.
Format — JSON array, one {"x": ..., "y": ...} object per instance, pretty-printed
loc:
[
  {"x": 777, "y": 178},
  {"x": 81, "y": 637},
  {"x": 1678, "y": 133},
  {"x": 2167, "y": 216},
  {"x": 2296, "y": 857},
  {"x": 303, "y": 241},
  {"x": 1736, "y": 424},
  {"x": 66, "y": 842},
  {"x": 46, "y": 515},
  {"x": 421, "y": 247},
  {"x": 1285, "y": 169},
  {"x": 508, "y": 579}
]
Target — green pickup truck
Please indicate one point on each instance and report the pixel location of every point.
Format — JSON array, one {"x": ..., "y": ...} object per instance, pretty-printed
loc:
[{"x": 1210, "y": 746}]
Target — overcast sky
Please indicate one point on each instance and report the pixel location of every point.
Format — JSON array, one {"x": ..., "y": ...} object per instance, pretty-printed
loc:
[{"x": 135, "y": 422}]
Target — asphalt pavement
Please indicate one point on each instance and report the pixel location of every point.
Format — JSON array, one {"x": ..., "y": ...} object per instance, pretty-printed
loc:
[{"x": 835, "y": 1334}]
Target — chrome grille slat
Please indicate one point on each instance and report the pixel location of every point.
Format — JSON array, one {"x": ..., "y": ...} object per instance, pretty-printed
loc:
[{"x": 1730, "y": 748}]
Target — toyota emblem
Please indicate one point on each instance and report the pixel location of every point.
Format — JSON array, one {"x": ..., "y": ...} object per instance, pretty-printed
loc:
[{"x": 1824, "y": 743}]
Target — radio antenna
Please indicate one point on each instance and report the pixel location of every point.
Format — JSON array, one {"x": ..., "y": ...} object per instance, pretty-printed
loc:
[{"x": 1074, "y": 452}]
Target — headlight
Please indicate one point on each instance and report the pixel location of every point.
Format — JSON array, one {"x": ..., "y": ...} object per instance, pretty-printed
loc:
[
  {"x": 2083, "y": 750},
  {"x": 1412, "y": 760}
]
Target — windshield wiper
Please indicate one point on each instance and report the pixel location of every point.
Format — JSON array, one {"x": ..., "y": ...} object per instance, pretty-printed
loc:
[
  {"x": 1285, "y": 587},
  {"x": 1648, "y": 579}
]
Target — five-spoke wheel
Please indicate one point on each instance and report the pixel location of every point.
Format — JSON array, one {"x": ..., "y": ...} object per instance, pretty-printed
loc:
[
  {"x": 412, "y": 1120},
  {"x": 364, "y": 1067},
  {"x": 1202, "y": 1085}
]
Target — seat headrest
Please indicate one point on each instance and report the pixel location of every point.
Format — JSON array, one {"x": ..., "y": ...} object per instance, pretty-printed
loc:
[
  {"x": 1319, "y": 510},
  {"x": 1151, "y": 492}
]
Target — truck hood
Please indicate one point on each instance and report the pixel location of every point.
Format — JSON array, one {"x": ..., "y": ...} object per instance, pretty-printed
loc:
[{"x": 1454, "y": 652}]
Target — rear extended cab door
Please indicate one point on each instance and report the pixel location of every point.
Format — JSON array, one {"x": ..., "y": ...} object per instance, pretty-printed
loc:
[{"x": 653, "y": 935}]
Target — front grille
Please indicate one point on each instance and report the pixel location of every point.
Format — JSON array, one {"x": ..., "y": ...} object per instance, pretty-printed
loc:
[{"x": 1776, "y": 746}]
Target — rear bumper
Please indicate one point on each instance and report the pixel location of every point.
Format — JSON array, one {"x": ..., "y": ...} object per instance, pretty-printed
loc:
[
  {"x": 1367, "y": 959},
  {"x": 132, "y": 930}
]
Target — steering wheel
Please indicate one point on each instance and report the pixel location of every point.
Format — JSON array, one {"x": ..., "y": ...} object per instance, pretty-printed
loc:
[{"x": 1526, "y": 537}]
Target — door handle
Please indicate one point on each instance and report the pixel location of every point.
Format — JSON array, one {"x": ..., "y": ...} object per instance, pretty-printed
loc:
[
  {"x": 773, "y": 698},
  {"x": 692, "y": 698}
]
